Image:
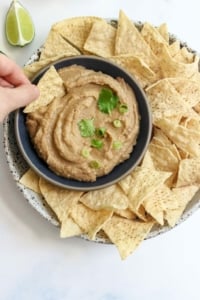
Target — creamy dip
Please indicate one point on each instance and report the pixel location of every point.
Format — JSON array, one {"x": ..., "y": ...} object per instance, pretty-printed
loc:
[{"x": 90, "y": 130}]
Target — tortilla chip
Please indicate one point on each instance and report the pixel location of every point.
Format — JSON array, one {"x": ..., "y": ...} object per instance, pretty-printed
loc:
[
  {"x": 76, "y": 30},
  {"x": 163, "y": 158},
  {"x": 69, "y": 228},
  {"x": 160, "y": 138},
  {"x": 101, "y": 39},
  {"x": 130, "y": 41},
  {"x": 176, "y": 204},
  {"x": 188, "y": 89},
  {"x": 137, "y": 68},
  {"x": 170, "y": 67},
  {"x": 185, "y": 139},
  {"x": 153, "y": 38},
  {"x": 147, "y": 161},
  {"x": 30, "y": 179},
  {"x": 154, "y": 204},
  {"x": 142, "y": 185},
  {"x": 61, "y": 200},
  {"x": 31, "y": 70},
  {"x": 184, "y": 56},
  {"x": 174, "y": 48},
  {"x": 56, "y": 45},
  {"x": 163, "y": 30},
  {"x": 191, "y": 123},
  {"x": 125, "y": 213},
  {"x": 166, "y": 102},
  {"x": 50, "y": 86},
  {"x": 189, "y": 172},
  {"x": 127, "y": 234},
  {"x": 89, "y": 220},
  {"x": 108, "y": 198}
]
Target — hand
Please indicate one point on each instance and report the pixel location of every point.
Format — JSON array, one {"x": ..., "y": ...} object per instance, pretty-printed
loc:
[{"x": 15, "y": 89}]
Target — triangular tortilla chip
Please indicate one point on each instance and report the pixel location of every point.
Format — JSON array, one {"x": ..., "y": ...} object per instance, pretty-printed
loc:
[
  {"x": 50, "y": 87},
  {"x": 184, "y": 56},
  {"x": 136, "y": 67},
  {"x": 110, "y": 198},
  {"x": 166, "y": 102},
  {"x": 130, "y": 41},
  {"x": 176, "y": 204},
  {"x": 188, "y": 89},
  {"x": 69, "y": 228},
  {"x": 32, "y": 69},
  {"x": 101, "y": 39},
  {"x": 89, "y": 220},
  {"x": 153, "y": 38},
  {"x": 154, "y": 204},
  {"x": 76, "y": 30},
  {"x": 55, "y": 45},
  {"x": 170, "y": 67},
  {"x": 163, "y": 30},
  {"x": 174, "y": 48},
  {"x": 143, "y": 185},
  {"x": 30, "y": 179},
  {"x": 189, "y": 172},
  {"x": 125, "y": 213},
  {"x": 61, "y": 200},
  {"x": 185, "y": 139},
  {"x": 163, "y": 158},
  {"x": 147, "y": 161},
  {"x": 127, "y": 234}
]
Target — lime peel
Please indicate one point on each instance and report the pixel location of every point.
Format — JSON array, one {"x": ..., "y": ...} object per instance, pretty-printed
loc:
[{"x": 19, "y": 26}]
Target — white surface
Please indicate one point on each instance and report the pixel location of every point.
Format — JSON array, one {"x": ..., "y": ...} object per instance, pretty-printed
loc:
[{"x": 34, "y": 263}]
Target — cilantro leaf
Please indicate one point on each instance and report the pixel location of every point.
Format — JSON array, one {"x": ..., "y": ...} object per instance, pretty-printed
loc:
[
  {"x": 96, "y": 143},
  {"x": 107, "y": 101},
  {"x": 100, "y": 132},
  {"x": 86, "y": 127}
]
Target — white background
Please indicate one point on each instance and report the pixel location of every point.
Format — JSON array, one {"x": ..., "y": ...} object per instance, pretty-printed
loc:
[{"x": 35, "y": 264}]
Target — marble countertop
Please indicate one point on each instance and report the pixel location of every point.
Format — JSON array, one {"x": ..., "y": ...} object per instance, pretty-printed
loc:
[{"x": 35, "y": 264}]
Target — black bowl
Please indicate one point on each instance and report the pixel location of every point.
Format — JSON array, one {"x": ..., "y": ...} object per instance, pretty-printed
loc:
[{"x": 121, "y": 170}]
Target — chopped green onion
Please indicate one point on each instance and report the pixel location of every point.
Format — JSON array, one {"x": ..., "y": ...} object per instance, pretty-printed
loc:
[
  {"x": 117, "y": 123},
  {"x": 96, "y": 143},
  {"x": 100, "y": 132},
  {"x": 94, "y": 164},
  {"x": 85, "y": 152},
  {"x": 123, "y": 108},
  {"x": 117, "y": 145}
]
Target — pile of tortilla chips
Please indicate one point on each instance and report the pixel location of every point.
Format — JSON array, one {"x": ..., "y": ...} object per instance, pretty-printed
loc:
[{"x": 157, "y": 191}]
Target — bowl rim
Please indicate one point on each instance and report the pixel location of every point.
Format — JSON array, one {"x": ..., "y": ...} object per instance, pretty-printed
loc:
[{"x": 60, "y": 181}]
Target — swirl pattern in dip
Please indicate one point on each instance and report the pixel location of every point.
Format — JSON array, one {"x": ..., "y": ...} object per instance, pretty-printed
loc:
[{"x": 80, "y": 135}]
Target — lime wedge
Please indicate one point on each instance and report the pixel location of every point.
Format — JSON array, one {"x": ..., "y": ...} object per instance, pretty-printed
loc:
[{"x": 19, "y": 25}]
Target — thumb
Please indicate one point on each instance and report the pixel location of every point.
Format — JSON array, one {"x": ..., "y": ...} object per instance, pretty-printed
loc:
[
  {"x": 21, "y": 96},
  {"x": 13, "y": 98}
]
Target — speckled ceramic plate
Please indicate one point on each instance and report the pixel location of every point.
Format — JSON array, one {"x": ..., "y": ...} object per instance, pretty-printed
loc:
[{"x": 18, "y": 167}]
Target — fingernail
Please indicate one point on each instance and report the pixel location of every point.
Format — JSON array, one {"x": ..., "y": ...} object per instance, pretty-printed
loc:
[{"x": 37, "y": 92}]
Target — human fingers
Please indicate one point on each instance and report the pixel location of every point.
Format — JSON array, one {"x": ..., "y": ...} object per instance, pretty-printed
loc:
[
  {"x": 11, "y": 72},
  {"x": 5, "y": 83},
  {"x": 13, "y": 98}
]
